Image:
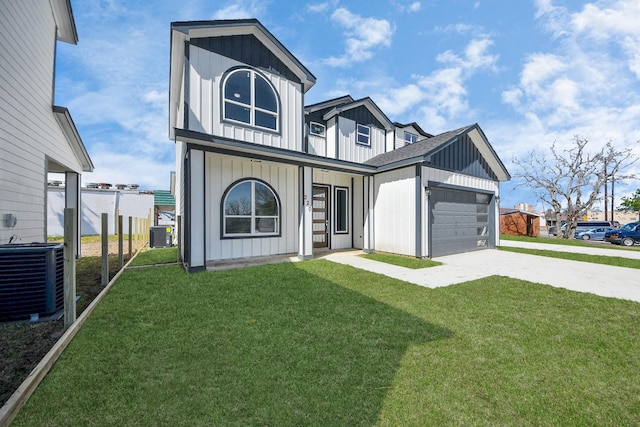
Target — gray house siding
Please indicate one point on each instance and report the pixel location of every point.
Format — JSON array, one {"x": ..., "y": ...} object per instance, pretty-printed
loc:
[{"x": 32, "y": 142}]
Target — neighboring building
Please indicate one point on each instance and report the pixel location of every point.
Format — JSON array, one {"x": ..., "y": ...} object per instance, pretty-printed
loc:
[
  {"x": 259, "y": 174},
  {"x": 518, "y": 222},
  {"x": 127, "y": 201},
  {"x": 620, "y": 216},
  {"x": 164, "y": 207},
  {"x": 36, "y": 136}
]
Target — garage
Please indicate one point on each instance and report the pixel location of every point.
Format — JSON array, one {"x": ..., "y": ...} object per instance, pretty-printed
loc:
[{"x": 459, "y": 221}]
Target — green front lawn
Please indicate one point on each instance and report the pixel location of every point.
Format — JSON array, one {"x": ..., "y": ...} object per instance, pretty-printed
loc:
[
  {"x": 318, "y": 343},
  {"x": 401, "y": 260},
  {"x": 567, "y": 242},
  {"x": 596, "y": 259}
]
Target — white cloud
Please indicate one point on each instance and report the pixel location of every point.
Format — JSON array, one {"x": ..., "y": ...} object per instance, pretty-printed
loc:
[
  {"x": 321, "y": 7},
  {"x": 583, "y": 86},
  {"x": 615, "y": 23},
  {"x": 477, "y": 56},
  {"x": 414, "y": 7},
  {"x": 399, "y": 100},
  {"x": 441, "y": 97},
  {"x": 240, "y": 9},
  {"x": 364, "y": 35}
]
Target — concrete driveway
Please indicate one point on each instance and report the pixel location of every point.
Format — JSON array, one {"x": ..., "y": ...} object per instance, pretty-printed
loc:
[{"x": 598, "y": 279}]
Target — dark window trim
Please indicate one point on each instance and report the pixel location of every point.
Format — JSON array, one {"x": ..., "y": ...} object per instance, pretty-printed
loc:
[
  {"x": 337, "y": 188},
  {"x": 223, "y": 119},
  {"x": 251, "y": 236},
  {"x": 368, "y": 144}
]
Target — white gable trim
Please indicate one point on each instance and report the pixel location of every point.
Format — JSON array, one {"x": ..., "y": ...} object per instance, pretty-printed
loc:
[
  {"x": 71, "y": 133},
  {"x": 366, "y": 102}
]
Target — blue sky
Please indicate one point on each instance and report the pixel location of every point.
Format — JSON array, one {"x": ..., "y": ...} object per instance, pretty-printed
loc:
[{"x": 530, "y": 72}]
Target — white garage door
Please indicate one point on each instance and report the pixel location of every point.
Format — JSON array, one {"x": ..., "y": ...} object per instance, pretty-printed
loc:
[{"x": 460, "y": 221}]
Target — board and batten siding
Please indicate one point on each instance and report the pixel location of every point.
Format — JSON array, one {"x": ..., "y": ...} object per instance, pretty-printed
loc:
[
  {"x": 30, "y": 135},
  {"x": 221, "y": 172},
  {"x": 395, "y": 211},
  {"x": 317, "y": 145},
  {"x": 206, "y": 70},
  {"x": 351, "y": 151}
]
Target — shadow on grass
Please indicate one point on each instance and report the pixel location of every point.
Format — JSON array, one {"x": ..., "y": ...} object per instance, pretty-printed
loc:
[{"x": 270, "y": 345}]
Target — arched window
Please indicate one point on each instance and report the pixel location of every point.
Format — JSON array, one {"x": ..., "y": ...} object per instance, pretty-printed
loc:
[
  {"x": 250, "y": 98},
  {"x": 250, "y": 208}
]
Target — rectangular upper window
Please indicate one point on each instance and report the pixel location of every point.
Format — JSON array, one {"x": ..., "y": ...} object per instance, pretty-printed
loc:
[
  {"x": 317, "y": 129},
  {"x": 342, "y": 210},
  {"x": 364, "y": 135},
  {"x": 410, "y": 138}
]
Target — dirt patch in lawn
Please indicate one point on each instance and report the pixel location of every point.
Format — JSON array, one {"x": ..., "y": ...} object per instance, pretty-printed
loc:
[{"x": 24, "y": 344}]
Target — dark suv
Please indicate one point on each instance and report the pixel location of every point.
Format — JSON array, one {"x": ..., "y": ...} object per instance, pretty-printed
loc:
[{"x": 627, "y": 235}]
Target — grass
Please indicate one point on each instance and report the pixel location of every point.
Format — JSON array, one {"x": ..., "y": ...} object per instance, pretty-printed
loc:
[
  {"x": 596, "y": 259},
  {"x": 401, "y": 260},
  {"x": 564, "y": 242},
  {"x": 24, "y": 344},
  {"x": 154, "y": 256},
  {"x": 318, "y": 343}
]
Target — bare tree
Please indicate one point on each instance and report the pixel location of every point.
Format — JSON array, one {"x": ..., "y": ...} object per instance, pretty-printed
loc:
[{"x": 571, "y": 181}]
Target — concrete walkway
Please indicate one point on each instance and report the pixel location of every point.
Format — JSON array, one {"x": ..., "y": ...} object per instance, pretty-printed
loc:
[{"x": 598, "y": 279}]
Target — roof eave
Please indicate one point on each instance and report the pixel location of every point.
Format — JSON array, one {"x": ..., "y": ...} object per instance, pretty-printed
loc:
[
  {"x": 71, "y": 132},
  {"x": 369, "y": 104},
  {"x": 65, "y": 25},
  {"x": 247, "y": 149}
]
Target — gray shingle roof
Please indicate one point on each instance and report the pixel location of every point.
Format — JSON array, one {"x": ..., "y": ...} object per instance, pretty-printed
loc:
[{"x": 418, "y": 149}]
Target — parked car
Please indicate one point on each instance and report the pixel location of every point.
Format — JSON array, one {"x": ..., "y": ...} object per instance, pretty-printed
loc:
[
  {"x": 595, "y": 233},
  {"x": 627, "y": 235},
  {"x": 583, "y": 225}
]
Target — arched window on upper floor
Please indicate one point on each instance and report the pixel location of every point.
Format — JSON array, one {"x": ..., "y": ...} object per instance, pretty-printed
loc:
[{"x": 249, "y": 98}]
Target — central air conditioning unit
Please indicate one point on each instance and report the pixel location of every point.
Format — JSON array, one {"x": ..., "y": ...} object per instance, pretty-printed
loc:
[
  {"x": 160, "y": 237},
  {"x": 31, "y": 280}
]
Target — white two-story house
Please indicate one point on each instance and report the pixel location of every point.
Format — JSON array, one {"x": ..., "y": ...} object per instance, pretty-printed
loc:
[
  {"x": 37, "y": 137},
  {"x": 260, "y": 174}
]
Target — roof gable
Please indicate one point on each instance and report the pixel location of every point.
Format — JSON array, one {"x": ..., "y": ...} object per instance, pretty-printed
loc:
[
  {"x": 350, "y": 110},
  {"x": 413, "y": 126},
  {"x": 461, "y": 155},
  {"x": 316, "y": 112},
  {"x": 248, "y": 49},
  {"x": 328, "y": 104},
  {"x": 182, "y": 32},
  {"x": 191, "y": 30},
  {"x": 479, "y": 159}
]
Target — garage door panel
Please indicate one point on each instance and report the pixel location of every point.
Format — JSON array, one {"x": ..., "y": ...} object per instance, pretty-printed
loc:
[{"x": 459, "y": 221}]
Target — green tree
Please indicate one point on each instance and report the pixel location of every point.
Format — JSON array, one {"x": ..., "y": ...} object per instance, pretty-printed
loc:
[{"x": 631, "y": 204}]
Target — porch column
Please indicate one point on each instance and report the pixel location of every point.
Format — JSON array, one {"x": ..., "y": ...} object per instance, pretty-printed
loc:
[
  {"x": 72, "y": 201},
  {"x": 368, "y": 238},
  {"x": 305, "y": 223},
  {"x": 196, "y": 210}
]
